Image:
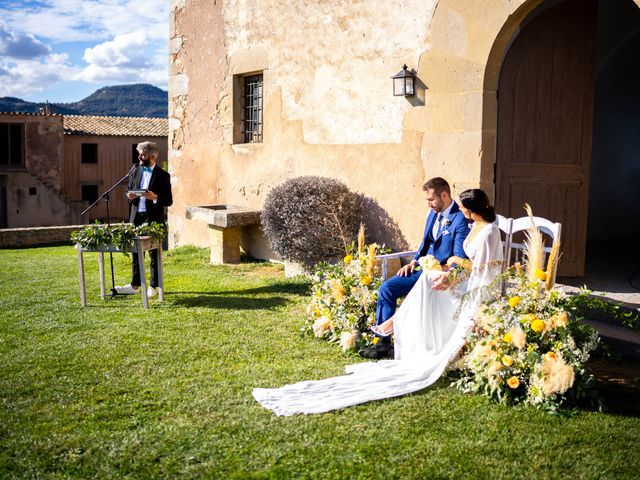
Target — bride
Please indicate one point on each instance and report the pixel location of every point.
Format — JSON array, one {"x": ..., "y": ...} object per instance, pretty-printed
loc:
[{"x": 429, "y": 328}]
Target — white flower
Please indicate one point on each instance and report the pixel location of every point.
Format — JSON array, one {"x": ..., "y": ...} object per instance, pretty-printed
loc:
[{"x": 348, "y": 340}]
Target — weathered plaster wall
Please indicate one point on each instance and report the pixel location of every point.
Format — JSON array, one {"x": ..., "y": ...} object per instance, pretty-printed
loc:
[
  {"x": 46, "y": 208},
  {"x": 42, "y": 170},
  {"x": 328, "y": 106}
]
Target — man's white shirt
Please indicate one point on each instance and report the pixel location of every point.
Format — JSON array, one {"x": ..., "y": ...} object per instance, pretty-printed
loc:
[
  {"x": 144, "y": 184},
  {"x": 436, "y": 225}
]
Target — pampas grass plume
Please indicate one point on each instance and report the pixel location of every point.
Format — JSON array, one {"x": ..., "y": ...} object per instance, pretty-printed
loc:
[{"x": 533, "y": 247}]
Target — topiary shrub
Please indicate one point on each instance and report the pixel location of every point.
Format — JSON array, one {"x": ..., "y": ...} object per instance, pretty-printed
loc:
[{"x": 311, "y": 219}]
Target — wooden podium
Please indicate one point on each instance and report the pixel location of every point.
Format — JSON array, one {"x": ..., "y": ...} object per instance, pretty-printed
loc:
[{"x": 139, "y": 246}]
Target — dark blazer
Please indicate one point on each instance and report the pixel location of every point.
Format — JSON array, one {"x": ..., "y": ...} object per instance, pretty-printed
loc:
[
  {"x": 160, "y": 184},
  {"x": 450, "y": 239}
]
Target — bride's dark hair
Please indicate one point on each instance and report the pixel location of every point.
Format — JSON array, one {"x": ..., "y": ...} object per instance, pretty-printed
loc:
[{"x": 476, "y": 201}]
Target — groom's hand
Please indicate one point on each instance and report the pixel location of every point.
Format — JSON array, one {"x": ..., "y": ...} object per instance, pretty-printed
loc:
[{"x": 407, "y": 269}]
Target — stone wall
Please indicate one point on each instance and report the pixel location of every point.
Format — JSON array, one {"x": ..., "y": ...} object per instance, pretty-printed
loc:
[
  {"x": 328, "y": 103},
  {"x": 36, "y": 236}
]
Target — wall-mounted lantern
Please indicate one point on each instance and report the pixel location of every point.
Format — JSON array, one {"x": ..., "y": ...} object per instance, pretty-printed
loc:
[{"x": 404, "y": 83}]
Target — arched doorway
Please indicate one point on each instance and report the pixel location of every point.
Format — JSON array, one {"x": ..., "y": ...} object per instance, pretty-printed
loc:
[{"x": 545, "y": 115}]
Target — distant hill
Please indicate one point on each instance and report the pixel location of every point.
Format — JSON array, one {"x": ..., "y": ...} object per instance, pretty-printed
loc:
[{"x": 138, "y": 100}]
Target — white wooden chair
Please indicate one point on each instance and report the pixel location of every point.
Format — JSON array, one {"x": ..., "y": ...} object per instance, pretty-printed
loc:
[{"x": 515, "y": 250}]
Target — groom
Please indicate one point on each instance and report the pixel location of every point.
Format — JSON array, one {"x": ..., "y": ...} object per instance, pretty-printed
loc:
[{"x": 444, "y": 234}]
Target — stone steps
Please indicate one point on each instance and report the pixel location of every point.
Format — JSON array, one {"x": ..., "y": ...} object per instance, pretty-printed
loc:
[{"x": 621, "y": 340}]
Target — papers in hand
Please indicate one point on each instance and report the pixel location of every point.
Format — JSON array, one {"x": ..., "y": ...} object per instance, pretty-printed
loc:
[{"x": 138, "y": 193}]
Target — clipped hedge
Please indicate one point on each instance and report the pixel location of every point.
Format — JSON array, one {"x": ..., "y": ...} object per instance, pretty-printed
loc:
[{"x": 311, "y": 219}]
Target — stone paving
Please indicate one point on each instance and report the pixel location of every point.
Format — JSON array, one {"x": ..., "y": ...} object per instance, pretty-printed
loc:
[{"x": 613, "y": 276}]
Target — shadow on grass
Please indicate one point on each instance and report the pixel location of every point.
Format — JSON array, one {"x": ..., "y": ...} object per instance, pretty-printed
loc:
[
  {"x": 300, "y": 289},
  {"x": 618, "y": 382},
  {"x": 242, "y": 299},
  {"x": 230, "y": 303}
]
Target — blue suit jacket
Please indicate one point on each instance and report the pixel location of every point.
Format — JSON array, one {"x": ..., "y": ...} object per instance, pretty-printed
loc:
[{"x": 450, "y": 239}]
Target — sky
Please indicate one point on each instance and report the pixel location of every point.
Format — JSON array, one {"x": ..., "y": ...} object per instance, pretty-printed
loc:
[{"x": 64, "y": 50}]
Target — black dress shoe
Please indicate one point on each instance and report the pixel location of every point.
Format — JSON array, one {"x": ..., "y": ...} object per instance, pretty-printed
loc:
[{"x": 378, "y": 351}]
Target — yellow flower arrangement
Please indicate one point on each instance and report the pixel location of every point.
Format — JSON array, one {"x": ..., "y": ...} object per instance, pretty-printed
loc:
[
  {"x": 538, "y": 325},
  {"x": 514, "y": 301},
  {"x": 507, "y": 360},
  {"x": 527, "y": 345},
  {"x": 345, "y": 294},
  {"x": 540, "y": 274}
]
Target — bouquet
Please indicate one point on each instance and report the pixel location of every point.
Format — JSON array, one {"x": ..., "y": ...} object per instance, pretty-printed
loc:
[
  {"x": 344, "y": 296},
  {"x": 429, "y": 262},
  {"x": 527, "y": 344}
]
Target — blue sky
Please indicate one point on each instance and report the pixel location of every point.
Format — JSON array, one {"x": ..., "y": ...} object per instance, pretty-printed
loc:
[{"x": 64, "y": 50}]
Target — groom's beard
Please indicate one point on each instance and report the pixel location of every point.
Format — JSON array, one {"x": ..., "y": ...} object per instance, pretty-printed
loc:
[{"x": 145, "y": 163}]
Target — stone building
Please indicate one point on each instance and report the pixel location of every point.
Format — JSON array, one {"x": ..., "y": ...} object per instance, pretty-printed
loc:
[
  {"x": 53, "y": 166},
  {"x": 533, "y": 100}
]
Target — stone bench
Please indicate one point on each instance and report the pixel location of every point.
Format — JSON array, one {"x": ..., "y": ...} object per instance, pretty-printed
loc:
[{"x": 225, "y": 223}]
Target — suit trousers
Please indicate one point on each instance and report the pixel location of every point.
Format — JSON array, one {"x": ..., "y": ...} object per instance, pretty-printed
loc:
[
  {"x": 140, "y": 218},
  {"x": 388, "y": 295}
]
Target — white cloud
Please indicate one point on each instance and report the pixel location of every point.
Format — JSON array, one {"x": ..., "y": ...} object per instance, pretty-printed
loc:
[
  {"x": 123, "y": 51},
  {"x": 25, "y": 76},
  {"x": 87, "y": 20},
  {"x": 130, "y": 39},
  {"x": 20, "y": 45},
  {"x": 126, "y": 58}
]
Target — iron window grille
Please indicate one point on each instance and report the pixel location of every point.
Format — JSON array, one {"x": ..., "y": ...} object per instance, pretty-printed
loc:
[{"x": 252, "y": 109}]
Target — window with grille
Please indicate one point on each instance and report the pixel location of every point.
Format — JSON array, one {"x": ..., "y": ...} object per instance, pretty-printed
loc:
[
  {"x": 11, "y": 143},
  {"x": 252, "y": 109}
]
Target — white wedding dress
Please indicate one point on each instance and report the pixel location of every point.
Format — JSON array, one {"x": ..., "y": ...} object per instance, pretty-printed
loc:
[{"x": 430, "y": 328}]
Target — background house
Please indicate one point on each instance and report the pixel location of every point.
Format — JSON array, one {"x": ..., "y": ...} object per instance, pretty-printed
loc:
[
  {"x": 98, "y": 151},
  {"x": 53, "y": 166},
  {"x": 534, "y": 101}
]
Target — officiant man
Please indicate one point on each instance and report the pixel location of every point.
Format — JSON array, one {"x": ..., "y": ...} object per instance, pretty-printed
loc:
[
  {"x": 444, "y": 234},
  {"x": 147, "y": 207}
]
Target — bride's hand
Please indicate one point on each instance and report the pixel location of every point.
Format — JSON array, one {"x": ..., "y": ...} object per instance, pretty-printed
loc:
[
  {"x": 441, "y": 282},
  {"x": 454, "y": 260}
]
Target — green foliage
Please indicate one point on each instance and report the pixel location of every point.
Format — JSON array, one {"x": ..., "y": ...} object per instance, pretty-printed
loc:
[
  {"x": 120, "y": 235},
  {"x": 585, "y": 303}
]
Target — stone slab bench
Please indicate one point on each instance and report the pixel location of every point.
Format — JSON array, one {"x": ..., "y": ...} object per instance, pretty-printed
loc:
[{"x": 225, "y": 223}]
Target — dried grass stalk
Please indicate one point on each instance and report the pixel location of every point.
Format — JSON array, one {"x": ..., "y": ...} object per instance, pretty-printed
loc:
[
  {"x": 371, "y": 260},
  {"x": 533, "y": 247},
  {"x": 361, "y": 239},
  {"x": 552, "y": 264}
]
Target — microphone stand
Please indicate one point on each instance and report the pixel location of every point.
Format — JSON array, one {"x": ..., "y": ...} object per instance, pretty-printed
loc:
[{"x": 105, "y": 196}]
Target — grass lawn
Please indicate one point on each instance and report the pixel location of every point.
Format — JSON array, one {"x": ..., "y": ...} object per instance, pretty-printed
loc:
[{"x": 111, "y": 390}]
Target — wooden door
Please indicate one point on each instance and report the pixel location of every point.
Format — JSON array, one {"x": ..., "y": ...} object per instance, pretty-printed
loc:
[{"x": 545, "y": 112}]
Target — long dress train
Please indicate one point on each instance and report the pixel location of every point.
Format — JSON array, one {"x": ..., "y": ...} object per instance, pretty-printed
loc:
[{"x": 430, "y": 329}]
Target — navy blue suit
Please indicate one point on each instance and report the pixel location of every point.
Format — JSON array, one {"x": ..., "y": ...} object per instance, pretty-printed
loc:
[{"x": 454, "y": 229}]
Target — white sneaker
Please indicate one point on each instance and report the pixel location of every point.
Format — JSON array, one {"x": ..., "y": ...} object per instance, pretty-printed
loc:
[
  {"x": 127, "y": 289},
  {"x": 151, "y": 292}
]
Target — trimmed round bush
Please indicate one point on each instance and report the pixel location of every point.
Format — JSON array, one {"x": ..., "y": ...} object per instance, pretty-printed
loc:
[{"x": 311, "y": 219}]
